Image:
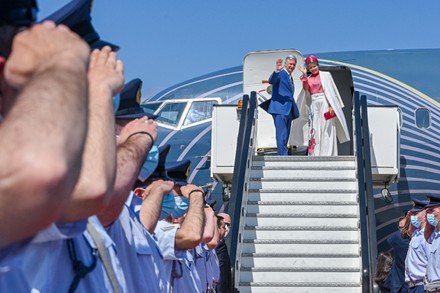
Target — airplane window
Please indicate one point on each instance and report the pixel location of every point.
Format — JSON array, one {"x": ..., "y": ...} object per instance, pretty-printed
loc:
[
  {"x": 199, "y": 111},
  {"x": 170, "y": 113},
  {"x": 423, "y": 118},
  {"x": 150, "y": 108}
]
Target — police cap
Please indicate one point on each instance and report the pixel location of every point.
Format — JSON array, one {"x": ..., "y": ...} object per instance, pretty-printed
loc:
[
  {"x": 179, "y": 171},
  {"x": 418, "y": 205},
  {"x": 433, "y": 200},
  {"x": 18, "y": 12},
  {"x": 76, "y": 15}
]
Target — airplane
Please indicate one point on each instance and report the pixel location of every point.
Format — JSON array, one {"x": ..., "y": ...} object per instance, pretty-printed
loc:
[{"x": 405, "y": 78}]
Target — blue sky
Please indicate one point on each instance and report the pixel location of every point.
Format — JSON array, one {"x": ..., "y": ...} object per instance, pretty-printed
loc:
[{"x": 169, "y": 41}]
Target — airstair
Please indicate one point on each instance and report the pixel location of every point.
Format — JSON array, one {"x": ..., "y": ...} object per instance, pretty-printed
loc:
[
  {"x": 302, "y": 223},
  {"x": 300, "y": 229},
  {"x": 299, "y": 223}
]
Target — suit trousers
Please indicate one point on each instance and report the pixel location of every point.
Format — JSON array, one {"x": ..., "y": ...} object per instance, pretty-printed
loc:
[{"x": 283, "y": 124}]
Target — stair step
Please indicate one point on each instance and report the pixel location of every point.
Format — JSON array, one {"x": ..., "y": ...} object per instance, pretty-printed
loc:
[
  {"x": 306, "y": 173},
  {"x": 304, "y": 158},
  {"x": 315, "y": 211},
  {"x": 300, "y": 261},
  {"x": 302, "y": 190},
  {"x": 303, "y": 203},
  {"x": 315, "y": 185},
  {"x": 300, "y": 241},
  {"x": 302, "y": 179},
  {"x": 330, "y": 277},
  {"x": 310, "y": 197},
  {"x": 299, "y": 269},
  {"x": 312, "y": 223},
  {"x": 300, "y": 234},
  {"x": 304, "y": 162},
  {"x": 301, "y": 249},
  {"x": 290, "y": 287}
]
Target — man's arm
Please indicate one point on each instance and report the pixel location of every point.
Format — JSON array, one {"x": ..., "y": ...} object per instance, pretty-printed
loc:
[
  {"x": 98, "y": 170},
  {"x": 132, "y": 151},
  {"x": 212, "y": 244},
  {"x": 210, "y": 224},
  {"x": 190, "y": 233},
  {"x": 152, "y": 203},
  {"x": 42, "y": 135}
]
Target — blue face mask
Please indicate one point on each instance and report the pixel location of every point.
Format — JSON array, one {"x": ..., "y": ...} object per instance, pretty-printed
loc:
[
  {"x": 180, "y": 207},
  {"x": 150, "y": 164},
  {"x": 415, "y": 222},
  {"x": 168, "y": 204},
  {"x": 431, "y": 220}
]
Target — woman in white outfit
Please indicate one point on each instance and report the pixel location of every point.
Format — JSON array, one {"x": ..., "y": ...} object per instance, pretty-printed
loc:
[{"x": 326, "y": 121}]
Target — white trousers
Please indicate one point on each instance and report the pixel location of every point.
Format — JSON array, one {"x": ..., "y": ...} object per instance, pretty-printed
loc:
[{"x": 322, "y": 132}]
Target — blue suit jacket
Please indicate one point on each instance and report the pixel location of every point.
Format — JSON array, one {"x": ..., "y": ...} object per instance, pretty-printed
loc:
[
  {"x": 396, "y": 277},
  {"x": 282, "y": 101}
]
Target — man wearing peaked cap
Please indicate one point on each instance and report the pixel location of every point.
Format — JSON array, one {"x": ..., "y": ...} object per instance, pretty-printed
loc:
[
  {"x": 139, "y": 254},
  {"x": 418, "y": 250},
  {"x": 129, "y": 101},
  {"x": 76, "y": 15},
  {"x": 24, "y": 57},
  {"x": 178, "y": 236},
  {"x": 432, "y": 236}
]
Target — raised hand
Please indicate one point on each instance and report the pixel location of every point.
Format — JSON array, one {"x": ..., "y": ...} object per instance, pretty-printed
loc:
[
  {"x": 187, "y": 189},
  {"x": 138, "y": 125},
  {"x": 106, "y": 73},
  {"x": 279, "y": 64},
  {"x": 42, "y": 47}
]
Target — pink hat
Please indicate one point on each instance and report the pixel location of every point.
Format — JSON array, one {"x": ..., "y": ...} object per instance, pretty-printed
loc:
[{"x": 311, "y": 58}]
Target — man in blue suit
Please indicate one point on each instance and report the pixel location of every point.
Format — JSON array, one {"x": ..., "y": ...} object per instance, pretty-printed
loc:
[{"x": 282, "y": 105}]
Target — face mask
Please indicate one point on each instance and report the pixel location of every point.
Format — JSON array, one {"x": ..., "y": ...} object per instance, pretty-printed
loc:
[
  {"x": 415, "y": 222},
  {"x": 227, "y": 229},
  {"x": 116, "y": 101},
  {"x": 180, "y": 207},
  {"x": 150, "y": 164},
  {"x": 431, "y": 220},
  {"x": 168, "y": 204}
]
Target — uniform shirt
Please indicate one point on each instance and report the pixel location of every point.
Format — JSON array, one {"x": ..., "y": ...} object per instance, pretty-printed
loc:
[
  {"x": 179, "y": 264},
  {"x": 141, "y": 261},
  {"x": 213, "y": 265},
  {"x": 200, "y": 258},
  {"x": 46, "y": 264},
  {"x": 433, "y": 268},
  {"x": 417, "y": 257}
]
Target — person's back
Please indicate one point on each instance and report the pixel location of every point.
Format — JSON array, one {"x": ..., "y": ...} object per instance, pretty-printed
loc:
[{"x": 396, "y": 277}]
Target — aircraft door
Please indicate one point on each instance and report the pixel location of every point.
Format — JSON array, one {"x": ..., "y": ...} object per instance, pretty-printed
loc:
[{"x": 257, "y": 67}]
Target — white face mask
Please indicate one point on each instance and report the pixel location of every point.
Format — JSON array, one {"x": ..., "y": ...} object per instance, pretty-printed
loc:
[{"x": 227, "y": 229}]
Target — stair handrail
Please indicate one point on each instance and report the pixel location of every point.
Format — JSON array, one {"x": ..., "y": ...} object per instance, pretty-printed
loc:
[
  {"x": 365, "y": 189},
  {"x": 243, "y": 156}
]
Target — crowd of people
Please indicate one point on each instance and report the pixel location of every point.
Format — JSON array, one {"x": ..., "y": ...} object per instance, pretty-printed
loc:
[
  {"x": 414, "y": 265},
  {"x": 88, "y": 202}
]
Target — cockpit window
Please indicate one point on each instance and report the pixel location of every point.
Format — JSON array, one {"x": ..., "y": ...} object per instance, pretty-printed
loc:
[
  {"x": 199, "y": 111},
  {"x": 423, "y": 118},
  {"x": 150, "y": 108},
  {"x": 171, "y": 113}
]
